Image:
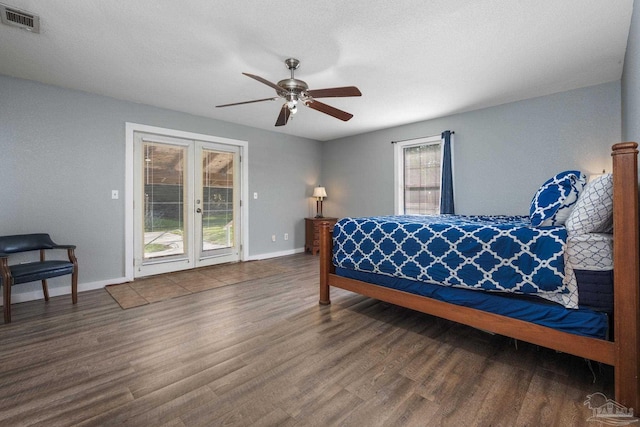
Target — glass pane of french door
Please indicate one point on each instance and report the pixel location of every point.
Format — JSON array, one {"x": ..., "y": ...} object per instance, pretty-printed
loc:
[
  {"x": 164, "y": 168},
  {"x": 218, "y": 202},
  {"x": 186, "y": 204}
]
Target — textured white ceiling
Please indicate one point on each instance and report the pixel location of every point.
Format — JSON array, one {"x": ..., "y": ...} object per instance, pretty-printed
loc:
[{"x": 413, "y": 60}]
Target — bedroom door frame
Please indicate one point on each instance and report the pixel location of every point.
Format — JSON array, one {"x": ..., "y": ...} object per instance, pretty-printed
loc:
[{"x": 134, "y": 128}]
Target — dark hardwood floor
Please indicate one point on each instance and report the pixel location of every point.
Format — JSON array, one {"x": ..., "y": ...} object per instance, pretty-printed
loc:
[{"x": 263, "y": 352}]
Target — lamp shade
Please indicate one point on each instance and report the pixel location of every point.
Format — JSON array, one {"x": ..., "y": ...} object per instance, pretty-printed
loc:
[{"x": 319, "y": 192}]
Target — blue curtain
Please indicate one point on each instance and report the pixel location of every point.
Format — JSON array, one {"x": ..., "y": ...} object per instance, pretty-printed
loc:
[{"x": 446, "y": 187}]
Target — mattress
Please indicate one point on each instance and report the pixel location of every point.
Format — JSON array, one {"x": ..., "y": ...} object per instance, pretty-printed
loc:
[{"x": 581, "y": 321}]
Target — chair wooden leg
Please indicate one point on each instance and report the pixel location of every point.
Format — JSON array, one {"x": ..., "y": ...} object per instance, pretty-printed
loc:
[
  {"x": 6, "y": 288},
  {"x": 45, "y": 290},
  {"x": 74, "y": 286},
  {"x": 7, "y": 280},
  {"x": 74, "y": 275}
]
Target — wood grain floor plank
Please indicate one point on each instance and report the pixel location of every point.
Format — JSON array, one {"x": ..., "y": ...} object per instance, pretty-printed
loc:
[
  {"x": 393, "y": 355},
  {"x": 331, "y": 408},
  {"x": 277, "y": 417},
  {"x": 543, "y": 402},
  {"x": 414, "y": 411},
  {"x": 171, "y": 411},
  {"x": 68, "y": 408},
  {"x": 388, "y": 400}
]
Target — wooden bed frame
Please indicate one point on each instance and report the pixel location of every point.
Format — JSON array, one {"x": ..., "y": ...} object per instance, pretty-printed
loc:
[{"x": 622, "y": 353}]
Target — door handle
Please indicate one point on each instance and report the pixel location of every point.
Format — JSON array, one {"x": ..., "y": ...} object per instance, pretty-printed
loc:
[{"x": 199, "y": 210}]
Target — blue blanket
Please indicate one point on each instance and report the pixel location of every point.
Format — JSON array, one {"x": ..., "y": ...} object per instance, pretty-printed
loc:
[{"x": 494, "y": 253}]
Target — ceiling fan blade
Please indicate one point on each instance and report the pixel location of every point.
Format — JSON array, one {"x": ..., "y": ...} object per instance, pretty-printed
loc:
[
  {"x": 247, "y": 102},
  {"x": 265, "y": 81},
  {"x": 328, "y": 109},
  {"x": 335, "y": 92},
  {"x": 283, "y": 118}
]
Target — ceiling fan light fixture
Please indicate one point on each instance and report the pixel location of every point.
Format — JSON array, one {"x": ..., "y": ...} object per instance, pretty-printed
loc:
[{"x": 292, "y": 102}]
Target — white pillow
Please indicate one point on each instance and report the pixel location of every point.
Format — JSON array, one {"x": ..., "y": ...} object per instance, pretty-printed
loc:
[
  {"x": 554, "y": 200},
  {"x": 593, "y": 212}
]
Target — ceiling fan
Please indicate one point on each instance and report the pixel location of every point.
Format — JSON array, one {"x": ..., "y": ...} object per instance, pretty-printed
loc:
[{"x": 296, "y": 91}]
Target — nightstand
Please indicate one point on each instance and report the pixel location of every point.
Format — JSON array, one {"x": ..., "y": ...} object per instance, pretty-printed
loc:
[{"x": 312, "y": 233}]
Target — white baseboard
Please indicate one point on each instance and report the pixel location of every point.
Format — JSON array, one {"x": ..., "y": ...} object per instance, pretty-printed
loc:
[
  {"x": 63, "y": 290},
  {"x": 274, "y": 254}
]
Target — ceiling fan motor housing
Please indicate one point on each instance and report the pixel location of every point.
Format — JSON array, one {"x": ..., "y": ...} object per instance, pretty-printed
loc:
[{"x": 293, "y": 85}]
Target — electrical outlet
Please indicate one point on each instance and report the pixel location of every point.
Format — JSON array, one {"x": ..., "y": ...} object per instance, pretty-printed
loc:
[
  {"x": 273, "y": 237},
  {"x": 114, "y": 194},
  {"x": 286, "y": 236}
]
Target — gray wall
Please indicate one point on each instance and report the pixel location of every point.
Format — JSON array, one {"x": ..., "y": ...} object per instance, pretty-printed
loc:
[
  {"x": 502, "y": 154},
  {"x": 631, "y": 81},
  {"x": 63, "y": 151}
]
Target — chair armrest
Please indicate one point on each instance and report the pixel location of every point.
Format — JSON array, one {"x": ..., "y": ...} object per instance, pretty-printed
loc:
[
  {"x": 63, "y": 247},
  {"x": 70, "y": 252}
]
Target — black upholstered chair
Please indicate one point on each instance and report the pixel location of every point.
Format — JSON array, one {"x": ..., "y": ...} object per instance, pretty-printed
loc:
[{"x": 11, "y": 275}]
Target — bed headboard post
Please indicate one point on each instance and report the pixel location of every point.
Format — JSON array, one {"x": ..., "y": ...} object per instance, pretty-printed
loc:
[
  {"x": 626, "y": 259},
  {"x": 325, "y": 261}
]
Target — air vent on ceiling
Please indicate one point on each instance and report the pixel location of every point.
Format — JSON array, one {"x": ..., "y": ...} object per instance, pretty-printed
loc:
[{"x": 19, "y": 18}]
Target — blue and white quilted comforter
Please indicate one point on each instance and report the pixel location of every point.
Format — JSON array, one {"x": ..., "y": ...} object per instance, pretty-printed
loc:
[{"x": 493, "y": 253}]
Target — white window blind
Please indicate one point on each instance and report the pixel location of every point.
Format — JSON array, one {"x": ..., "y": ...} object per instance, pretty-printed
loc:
[{"x": 418, "y": 176}]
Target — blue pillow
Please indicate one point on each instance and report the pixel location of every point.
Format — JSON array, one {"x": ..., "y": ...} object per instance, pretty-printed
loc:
[{"x": 554, "y": 201}]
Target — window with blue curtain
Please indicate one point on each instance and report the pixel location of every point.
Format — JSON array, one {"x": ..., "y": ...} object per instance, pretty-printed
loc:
[{"x": 423, "y": 171}]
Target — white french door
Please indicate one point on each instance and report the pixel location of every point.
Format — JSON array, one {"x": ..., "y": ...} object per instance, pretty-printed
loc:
[{"x": 186, "y": 203}]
